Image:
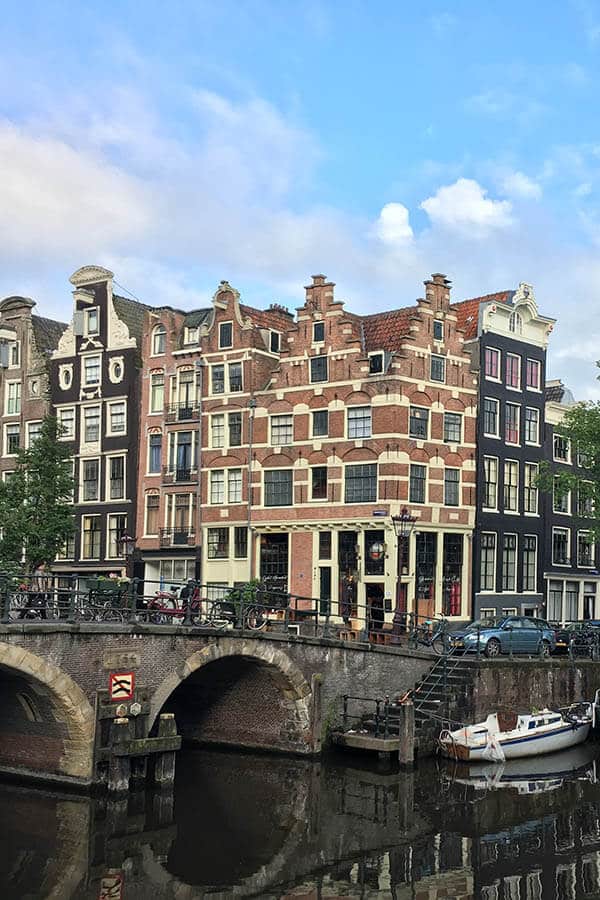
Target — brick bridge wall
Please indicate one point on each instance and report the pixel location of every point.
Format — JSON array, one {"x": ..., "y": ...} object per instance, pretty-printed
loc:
[{"x": 267, "y": 691}]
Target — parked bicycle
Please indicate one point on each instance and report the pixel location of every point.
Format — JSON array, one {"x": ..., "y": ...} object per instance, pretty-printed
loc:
[{"x": 429, "y": 634}]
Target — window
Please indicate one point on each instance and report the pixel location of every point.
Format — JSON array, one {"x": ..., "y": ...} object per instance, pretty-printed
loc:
[
  {"x": 487, "y": 575},
  {"x": 491, "y": 364},
  {"x": 511, "y": 485},
  {"x": 152, "y": 513},
  {"x": 159, "y": 340},
  {"x": 359, "y": 422},
  {"x": 490, "y": 471},
  {"x": 91, "y": 424},
  {"x": 318, "y": 332},
  {"x": 91, "y": 469},
  {"x": 452, "y": 428},
  {"x": 375, "y": 363},
  {"x": 240, "y": 542},
  {"x": 555, "y": 593},
  {"x": 512, "y": 423},
  {"x": 324, "y": 545},
  {"x": 585, "y": 548},
  {"x": 225, "y": 335},
  {"x": 533, "y": 374},
  {"x": 235, "y": 429},
  {"x": 451, "y": 487},
  {"x": 14, "y": 355},
  {"x": 116, "y": 477},
  {"x": 530, "y": 491},
  {"x": 217, "y": 374},
  {"x": 318, "y": 369},
  {"x": 515, "y": 323},
  {"x": 561, "y": 498},
  {"x": 513, "y": 371},
  {"x": 91, "y": 370},
  {"x": 319, "y": 482},
  {"x": 571, "y": 600},
  {"x": 417, "y": 480},
  {"x": 490, "y": 417},
  {"x": 154, "y": 453},
  {"x": 275, "y": 342},
  {"x": 529, "y": 562},
  {"x": 278, "y": 487},
  {"x": 532, "y": 426},
  {"x": 509, "y": 563},
  {"x": 33, "y": 432},
  {"x": 190, "y": 334},
  {"x": 217, "y": 431},
  {"x": 66, "y": 420},
  {"x": 13, "y": 398},
  {"x": 13, "y": 440},
  {"x": 585, "y": 498},
  {"x": 282, "y": 430},
  {"x": 91, "y": 537},
  {"x": 116, "y": 418},
  {"x": 117, "y": 527},
  {"x": 234, "y": 486},
  {"x": 438, "y": 368},
  {"x": 361, "y": 483},
  {"x": 92, "y": 321},
  {"x": 562, "y": 449},
  {"x": 560, "y": 546},
  {"x": 157, "y": 392},
  {"x": 320, "y": 423},
  {"x": 438, "y": 330},
  {"x": 217, "y": 486},
  {"x": 218, "y": 543},
  {"x": 418, "y": 423},
  {"x": 235, "y": 377}
]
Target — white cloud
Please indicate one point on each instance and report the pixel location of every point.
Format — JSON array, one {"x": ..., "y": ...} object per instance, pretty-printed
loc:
[
  {"x": 517, "y": 184},
  {"x": 393, "y": 226},
  {"x": 465, "y": 207}
]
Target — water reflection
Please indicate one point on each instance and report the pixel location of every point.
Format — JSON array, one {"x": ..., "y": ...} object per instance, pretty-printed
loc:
[{"x": 259, "y": 826}]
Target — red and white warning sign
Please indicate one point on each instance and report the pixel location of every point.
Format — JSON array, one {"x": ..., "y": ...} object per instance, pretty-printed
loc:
[
  {"x": 111, "y": 887},
  {"x": 121, "y": 685}
]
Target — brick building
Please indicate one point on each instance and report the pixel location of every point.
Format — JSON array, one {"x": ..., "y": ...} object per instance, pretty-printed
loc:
[
  {"x": 26, "y": 342},
  {"x": 341, "y": 421}
]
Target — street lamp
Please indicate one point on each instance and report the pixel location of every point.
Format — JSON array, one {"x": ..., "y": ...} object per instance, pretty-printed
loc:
[
  {"x": 403, "y": 526},
  {"x": 128, "y": 549}
]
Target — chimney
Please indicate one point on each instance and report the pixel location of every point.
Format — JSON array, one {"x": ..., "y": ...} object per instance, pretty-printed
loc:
[
  {"x": 437, "y": 292},
  {"x": 319, "y": 294}
]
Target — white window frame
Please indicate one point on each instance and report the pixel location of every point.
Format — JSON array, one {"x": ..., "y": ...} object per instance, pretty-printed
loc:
[
  {"x": 82, "y": 481},
  {"x": 567, "y": 459},
  {"x": 535, "y": 563},
  {"x": 159, "y": 330},
  {"x": 534, "y": 468},
  {"x": 28, "y": 425},
  {"x": 146, "y": 532},
  {"x": 14, "y": 345},
  {"x": 511, "y": 387},
  {"x": 83, "y": 439},
  {"x": 84, "y": 361},
  {"x": 538, "y": 389},
  {"x": 109, "y": 429},
  {"x": 275, "y": 437},
  {"x": 86, "y": 320},
  {"x": 556, "y": 528},
  {"x": 228, "y": 485},
  {"x": 441, "y": 359},
  {"x": 222, "y": 443},
  {"x": 108, "y": 530},
  {"x": 108, "y": 458},
  {"x": 458, "y": 487},
  {"x": 190, "y": 334},
  {"x": 151, "y": 410},
  {"x": 360, "y": 419},
  {"x": 495, "y": 461},
  {"x": 217, "y": 498},
  {"x": 59, "y": 413},
  {"x": 8, "y": 425},
  {"x": 319, "y": 322},
  {"x": 90, "y": 516},
  {"x": 510, "y": 465},
  {"x": 516, "y": 443},
  {"x": 151, "y": 435},
  {"x": 510, "y": 590},
  {"x": 591, "y": 564},
  {"x": 17, "y": 399},
  {"x": 535, "y": 443},
  {"x": 492, "y": 589},
  {"x": 498, "y": 354},
  {"x": 497, "y": 403},
  {"x": 380, "y": 354},
  {"x": 567, "y": 494}
]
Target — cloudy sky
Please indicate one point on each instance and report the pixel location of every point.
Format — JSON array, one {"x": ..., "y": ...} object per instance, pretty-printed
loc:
[{"x": 262, "y": 142}]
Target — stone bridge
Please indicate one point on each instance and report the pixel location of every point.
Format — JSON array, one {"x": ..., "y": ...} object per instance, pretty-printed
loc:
[{"x": 266, "y": 691}]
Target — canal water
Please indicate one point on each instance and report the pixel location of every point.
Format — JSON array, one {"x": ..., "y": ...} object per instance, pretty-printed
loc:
[{"x": 240, "y": 825}]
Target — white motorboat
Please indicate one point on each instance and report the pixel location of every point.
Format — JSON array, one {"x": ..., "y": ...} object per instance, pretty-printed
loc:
[{"x": 511, "y": 736}]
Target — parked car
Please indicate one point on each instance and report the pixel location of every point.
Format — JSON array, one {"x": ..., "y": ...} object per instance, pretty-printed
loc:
[
  {"x": 516, "y": 634},
  {"x": 581, "y": 636}
]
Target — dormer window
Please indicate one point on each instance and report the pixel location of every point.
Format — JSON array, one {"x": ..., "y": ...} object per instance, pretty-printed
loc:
[
  {"x": 275, "y": 342},
  {"x": 190, "y": 335},
  {"x": 375, "y": 363},
  {"x": 225, "y": 335},
  {"x": 92, "y": 322},
  {"x": 515, "y": 323},
  {"x": 14, "y": 355},
  {"x": 318, "y": 332},
  {"x": 159, "y": 340},
  {"x": 438, "y": 330}
]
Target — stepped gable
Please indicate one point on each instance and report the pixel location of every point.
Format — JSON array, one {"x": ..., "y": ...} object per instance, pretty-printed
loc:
[{"x": 467, "y": 311}]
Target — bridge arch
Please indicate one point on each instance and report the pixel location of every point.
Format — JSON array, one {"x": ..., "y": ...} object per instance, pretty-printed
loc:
[
  {"x": 244, "y": 692},
  {"x": 46, "y": 721}
]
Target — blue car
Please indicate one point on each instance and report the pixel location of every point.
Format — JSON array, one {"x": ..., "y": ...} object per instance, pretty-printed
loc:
[{"x": 516, "y": 634}]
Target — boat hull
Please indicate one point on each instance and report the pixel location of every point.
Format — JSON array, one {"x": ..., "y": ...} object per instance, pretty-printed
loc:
[{"x": 568, "y": 735}]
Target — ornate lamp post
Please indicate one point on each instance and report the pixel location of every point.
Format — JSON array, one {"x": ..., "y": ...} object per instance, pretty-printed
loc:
[
  {"x": 403, "y": 526},
  {"x": 128, "y": 548}
]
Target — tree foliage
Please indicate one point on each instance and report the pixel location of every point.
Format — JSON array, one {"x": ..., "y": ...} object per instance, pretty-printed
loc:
[
  {"x": 581, "y": 427},
  {"x": 36, "y": 506}
]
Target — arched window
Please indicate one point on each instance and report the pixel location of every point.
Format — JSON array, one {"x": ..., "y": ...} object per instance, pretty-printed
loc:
[
  {"x": 515, "y": 323},
  {"x": 159, "y": 340}
]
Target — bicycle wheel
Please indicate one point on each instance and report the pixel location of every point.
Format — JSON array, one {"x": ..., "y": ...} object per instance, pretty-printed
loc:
[
  {"x": 255, "y": 619},
  {"x": 221, "y": 615},
  {"x": 110, "y": 614},
  {"x": 437, "y": 644}
]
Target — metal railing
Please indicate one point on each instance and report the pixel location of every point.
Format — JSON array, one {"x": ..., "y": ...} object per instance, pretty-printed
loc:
[
  {"x": 179, "y": 474},
  {"x": 176, "y": 537},
  {"x": 181, "y": 412}
]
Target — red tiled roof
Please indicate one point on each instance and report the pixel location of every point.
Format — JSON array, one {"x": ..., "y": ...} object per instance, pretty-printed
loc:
[
  {"x": 268, "y": 318},
  {"x": 467, "y": 311},
  {"x": 384, "y": 330}
]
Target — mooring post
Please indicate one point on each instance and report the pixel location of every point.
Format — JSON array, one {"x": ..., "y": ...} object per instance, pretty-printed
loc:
[
  {"x": 406, "y": 734},
  {"x": 119, "y": 768},
  {"x": 164, "y": 764}
]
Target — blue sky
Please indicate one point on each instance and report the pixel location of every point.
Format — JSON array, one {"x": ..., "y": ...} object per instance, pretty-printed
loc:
[{"x": 265, "y": 141}]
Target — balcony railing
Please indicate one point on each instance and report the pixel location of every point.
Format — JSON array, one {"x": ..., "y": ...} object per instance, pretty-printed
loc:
[
  {"x": 176, "y": 537},
  {"x": 180, "y": 474},
  {"x": 182, "y": 412}
]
